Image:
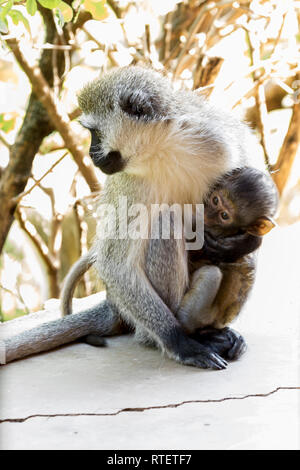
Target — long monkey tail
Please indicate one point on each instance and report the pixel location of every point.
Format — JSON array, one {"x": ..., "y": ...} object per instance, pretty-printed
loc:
[
  {"x": 78, "y": 269},
  {"x": 100, "y": 320}
]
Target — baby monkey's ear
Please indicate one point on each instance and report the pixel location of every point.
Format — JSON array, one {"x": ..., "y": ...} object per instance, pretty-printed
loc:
[{"x": 261, "y": 226}]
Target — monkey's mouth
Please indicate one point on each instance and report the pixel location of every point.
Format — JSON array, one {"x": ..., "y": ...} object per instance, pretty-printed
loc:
[{"x": 110, "y": 163}]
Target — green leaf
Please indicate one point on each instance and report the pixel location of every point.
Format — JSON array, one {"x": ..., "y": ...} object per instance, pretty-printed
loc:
[
  {"x": 49, "y": 3},
  {"x": 6, "y": 125},
  {"x": 31, "y": 7},
  {"x": 17, "y": 16},
  {"x": 5, "y": 9},
  {"x": 66, "y": 11},
  {"x": 97, "y": 8}
]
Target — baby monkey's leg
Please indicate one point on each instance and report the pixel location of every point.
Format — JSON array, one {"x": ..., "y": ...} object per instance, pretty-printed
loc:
[
  {"x": 237, "y": 282},
  {"x": 196, "y": 307},
  {"x": 199, "y": 312}
]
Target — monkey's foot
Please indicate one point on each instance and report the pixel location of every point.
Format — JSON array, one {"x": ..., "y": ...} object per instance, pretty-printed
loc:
[
  {"x": 190, "y": 352},
  {"x": 226, "y": 342}
]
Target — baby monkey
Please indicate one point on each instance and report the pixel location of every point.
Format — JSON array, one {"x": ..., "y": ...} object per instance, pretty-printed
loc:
[{"x": 238, "y": 212}]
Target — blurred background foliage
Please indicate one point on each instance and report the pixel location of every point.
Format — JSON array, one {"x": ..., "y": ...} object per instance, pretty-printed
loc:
[{"x": 243, "y": 55}]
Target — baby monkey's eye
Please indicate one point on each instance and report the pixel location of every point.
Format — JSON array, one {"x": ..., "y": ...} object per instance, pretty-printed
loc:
[
  {"x": 224, "y": 215},
  {"x": 215, "y": 200}
]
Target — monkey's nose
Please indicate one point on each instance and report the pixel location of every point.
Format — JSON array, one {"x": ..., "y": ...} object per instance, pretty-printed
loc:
[{"x": 109, "y": 164}]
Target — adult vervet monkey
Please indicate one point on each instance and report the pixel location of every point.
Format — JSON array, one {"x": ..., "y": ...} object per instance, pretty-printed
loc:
[{"x": 157, "y": 145}]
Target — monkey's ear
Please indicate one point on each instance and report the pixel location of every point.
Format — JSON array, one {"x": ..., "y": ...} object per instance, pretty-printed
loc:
[
  {"x": 261, "y": 226},
  {"x": 139, "y": 104}
]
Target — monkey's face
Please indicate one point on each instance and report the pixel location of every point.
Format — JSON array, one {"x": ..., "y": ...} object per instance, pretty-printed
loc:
[
  {"x": 220, "y": 214},
  {"x": 241, "y": 204},
  {"x": 122, "y": 111},
  {"x": 110, "y": 162}
]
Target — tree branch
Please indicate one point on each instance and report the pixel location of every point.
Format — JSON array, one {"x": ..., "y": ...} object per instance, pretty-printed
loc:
[
  {"x": 4, "y": 141},
  {"x": 36, "y": 125},
  {"x": 17, "y": 295},
  {"x": 42, "y": 249},
  {"x": 38, "y": 242},
  {"x": 57, "y": 115}
]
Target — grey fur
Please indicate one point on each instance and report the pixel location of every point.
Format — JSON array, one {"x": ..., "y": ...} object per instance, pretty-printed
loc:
[
  {"x": 78, "y": 269},
  {"x": 100, "y": 320},
  {"x": 196, "y": 308}
]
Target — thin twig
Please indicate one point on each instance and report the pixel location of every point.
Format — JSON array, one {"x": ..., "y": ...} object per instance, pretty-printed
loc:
[
  {"x": 262, "y": 120},
  {"x": 115, "y": 8},
  {"x": 56, "y": 47},
  {"x": 204, "y": 8},
  {"x": 37, "y": 182},
  {"x": 4, "y": 141},
  {"x": 38, "y": 242},
  {"x": 168, "y": 34},
  {"x": 279, "y": 34},
  {"x": 253, "y": 68},
  {"x": 74, "y": 114},
  {"x": 67, "y": 54},
  {"x": 56, "y": 79},
  {"x": 17, "y": 295},
  {"x": 147, "y": 41},
  {"x": 101, "y": 47},
  {"x": 51, "y": 262}
]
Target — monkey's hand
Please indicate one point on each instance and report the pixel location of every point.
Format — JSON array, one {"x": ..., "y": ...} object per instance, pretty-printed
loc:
[
  {"x": 228, "y": 249},
  {"x": 226, "y": 342}
]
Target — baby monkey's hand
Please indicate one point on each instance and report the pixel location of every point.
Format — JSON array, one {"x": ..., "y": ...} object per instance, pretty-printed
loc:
[{"x": 228, "y": 249}]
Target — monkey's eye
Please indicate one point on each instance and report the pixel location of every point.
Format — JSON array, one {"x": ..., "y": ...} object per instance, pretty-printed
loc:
[
  {"x": 224, "y": 215},
  {"x": 95, "y": 139},
  {"x": 215, "y": 200}
]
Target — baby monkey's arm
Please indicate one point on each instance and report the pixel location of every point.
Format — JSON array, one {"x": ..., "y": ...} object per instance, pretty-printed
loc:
[{"x": 227, "y": 249}]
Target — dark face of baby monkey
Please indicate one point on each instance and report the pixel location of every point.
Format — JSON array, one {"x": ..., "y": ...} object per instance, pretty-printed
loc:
[{"x": 243, "y": 201}]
